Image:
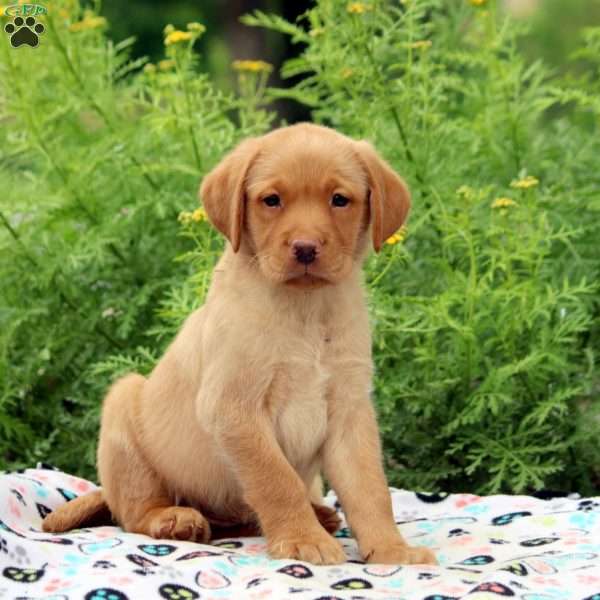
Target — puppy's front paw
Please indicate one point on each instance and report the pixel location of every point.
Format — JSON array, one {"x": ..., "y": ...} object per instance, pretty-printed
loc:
[
  {"x": 401, "y": 554},
  {"x": 318, "y": 549}
]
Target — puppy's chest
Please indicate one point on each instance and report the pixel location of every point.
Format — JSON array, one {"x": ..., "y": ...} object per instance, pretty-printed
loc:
[{"x": 298, "y": 404}]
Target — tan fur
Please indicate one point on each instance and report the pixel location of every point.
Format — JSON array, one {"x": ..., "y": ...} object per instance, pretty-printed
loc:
[{"x": 268, "y": 383}]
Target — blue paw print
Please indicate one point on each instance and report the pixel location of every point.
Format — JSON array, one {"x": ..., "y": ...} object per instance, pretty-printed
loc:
[
  {"x": 105, "y": 594},
  {"x": 157, "y": 549},
  {"x": 479, "y": 560}
]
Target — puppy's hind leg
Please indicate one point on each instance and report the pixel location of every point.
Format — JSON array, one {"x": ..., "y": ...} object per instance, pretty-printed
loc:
[{"x": 135, "y": 494}]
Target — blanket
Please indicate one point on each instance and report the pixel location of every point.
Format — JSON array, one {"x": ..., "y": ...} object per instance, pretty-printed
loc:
[{"x": 488, "y": 547}]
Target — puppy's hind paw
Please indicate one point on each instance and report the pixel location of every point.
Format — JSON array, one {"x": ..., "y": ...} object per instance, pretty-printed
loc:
[
  {"x": 328, "y": 517},
  {"x": 179, "y": 523}
]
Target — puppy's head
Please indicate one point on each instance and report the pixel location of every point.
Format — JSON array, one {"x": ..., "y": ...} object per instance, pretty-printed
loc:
[{"x": 302, "y": 200}]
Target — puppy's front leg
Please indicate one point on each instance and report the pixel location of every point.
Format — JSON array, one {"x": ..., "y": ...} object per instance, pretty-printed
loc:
[
  {"x": 352, "y": 463},
  {"x": 273, "y": 489}
]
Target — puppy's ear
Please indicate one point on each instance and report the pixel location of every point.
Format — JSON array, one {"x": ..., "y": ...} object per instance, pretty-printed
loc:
[
  {"x": 389, "y": 198},
  {"x": 223, "y": 190}
]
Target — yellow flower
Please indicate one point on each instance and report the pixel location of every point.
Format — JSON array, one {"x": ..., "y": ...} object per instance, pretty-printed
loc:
[
  {"x": 477, "y": 2},
  {"x": 165, "y": 65},
  {"x": 357, "y": 8},
  {"x": 316, "y": 31},
  {"x": 346, "y": 73},
  {"x": 89, "y": 21},
  {"x": 196, "y": 27},
  {"x": 185, "y": 217},
  {"x": 199, "y": 215},
  {"x": 398, "y": 237},
  {"x": 421, "y": 44},
  {"x": 254, "y": 66},
  {"x": 168, "y": 29},
  {"x": 465, "y": 191},
  {"x": 175, "y": 37},
  {"x": 149, "y": 68},
  {"x": 503, "y": 203},
  {"x": 525, "y": 183}
]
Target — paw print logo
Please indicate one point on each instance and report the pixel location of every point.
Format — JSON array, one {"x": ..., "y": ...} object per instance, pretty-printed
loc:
[{"x": 24, "y": 32}]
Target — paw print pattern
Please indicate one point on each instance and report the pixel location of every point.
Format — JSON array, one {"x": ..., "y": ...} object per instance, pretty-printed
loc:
[
  {"x": 296, "y": 570},
  {"x": 493, "y": 587},
  {"x": 157, "y": 549},
  {"x": 141, "y": 561},
  {"x": 457, "y": 532},
  {"x": 352, "y": 584},
  {"x": 104, "y": 564},
  {"x": 198, "y": 554},
  {"x": 105, "y": 594},
  {"x": 23, "y": 575},
  {"x": 479, "y": 560},
  {"x": 19, "y": 555},
  {"x": 24, "y": 32},
  {"x": 42, "y": 509},
  {"x": 541, "y": 541},
  {"x": 510, "y": 517},
  {"x": 588, "y": 505},
  {"x": 171, "y": 591}
]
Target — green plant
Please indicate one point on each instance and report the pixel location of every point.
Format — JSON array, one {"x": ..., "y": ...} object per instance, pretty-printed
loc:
[
  {"x": 485, "y": 310},
  {"x": 98, "y": 158},
  {"x": 483, "y": 319}
]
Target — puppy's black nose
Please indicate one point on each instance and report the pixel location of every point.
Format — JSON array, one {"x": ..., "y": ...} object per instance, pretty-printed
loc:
[{"x": 304, "y": 251}]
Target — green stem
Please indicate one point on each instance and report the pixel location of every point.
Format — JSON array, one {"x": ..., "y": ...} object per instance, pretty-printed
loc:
[
  {"x": 92, "y": 102},
  {"x": 188, "y": 103}
]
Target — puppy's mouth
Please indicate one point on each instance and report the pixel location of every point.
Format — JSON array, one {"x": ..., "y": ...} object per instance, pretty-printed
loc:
[{"x": 306, "y": 277}]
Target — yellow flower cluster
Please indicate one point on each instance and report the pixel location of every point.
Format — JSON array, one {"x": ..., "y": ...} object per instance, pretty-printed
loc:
[
  {"x": 525, "y": 183},
  {"x": 477, "y": 2},
  {"x": 421, "y": 45},
  {"x": 466, "y": 191},
  {"x": 196, "y": 27},
  {"x": 503, "y": 203},
  {"x": 253, "y": 66},
  {"x": 165, "y": 65},
  {"x": 89, "y": 21},
  {"x": 346, "y": 73},
  {"x": 177, "y": 36},
  {"x": 196, "y": 216},
  {"x": 358, "y": 8},
  {"x": 398, "y": 237}
]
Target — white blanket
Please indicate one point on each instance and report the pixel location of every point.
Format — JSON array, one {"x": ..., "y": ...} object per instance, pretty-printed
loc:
[{"x": 488, "y": 547}]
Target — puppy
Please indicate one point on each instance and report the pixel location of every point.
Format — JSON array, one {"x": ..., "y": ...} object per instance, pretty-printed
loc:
[{"x": 267, "y": 385}]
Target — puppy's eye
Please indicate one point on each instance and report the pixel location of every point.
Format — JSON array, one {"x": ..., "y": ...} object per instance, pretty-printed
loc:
[
  {"x": 272, "y": 200},
  {"x": 339, "y": 201}
]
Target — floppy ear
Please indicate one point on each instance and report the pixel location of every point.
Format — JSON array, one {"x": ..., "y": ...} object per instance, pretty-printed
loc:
[
  {"x": 389, "y": 198},
  {"x": 222, "y": 192}
]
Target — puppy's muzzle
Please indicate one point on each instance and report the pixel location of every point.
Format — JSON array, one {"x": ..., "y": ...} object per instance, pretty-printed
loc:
[{"x": 305, "y": 251}]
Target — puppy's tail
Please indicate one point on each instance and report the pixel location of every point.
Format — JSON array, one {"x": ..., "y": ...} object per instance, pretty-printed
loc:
[{"x": 88, "y": 510}]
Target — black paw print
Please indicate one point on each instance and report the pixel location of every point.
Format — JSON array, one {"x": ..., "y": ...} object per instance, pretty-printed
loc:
[
  {"x": 587, "y": 505},
  {"x": 457, "y": 532},
  {"x": 24, "y": 32}
]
